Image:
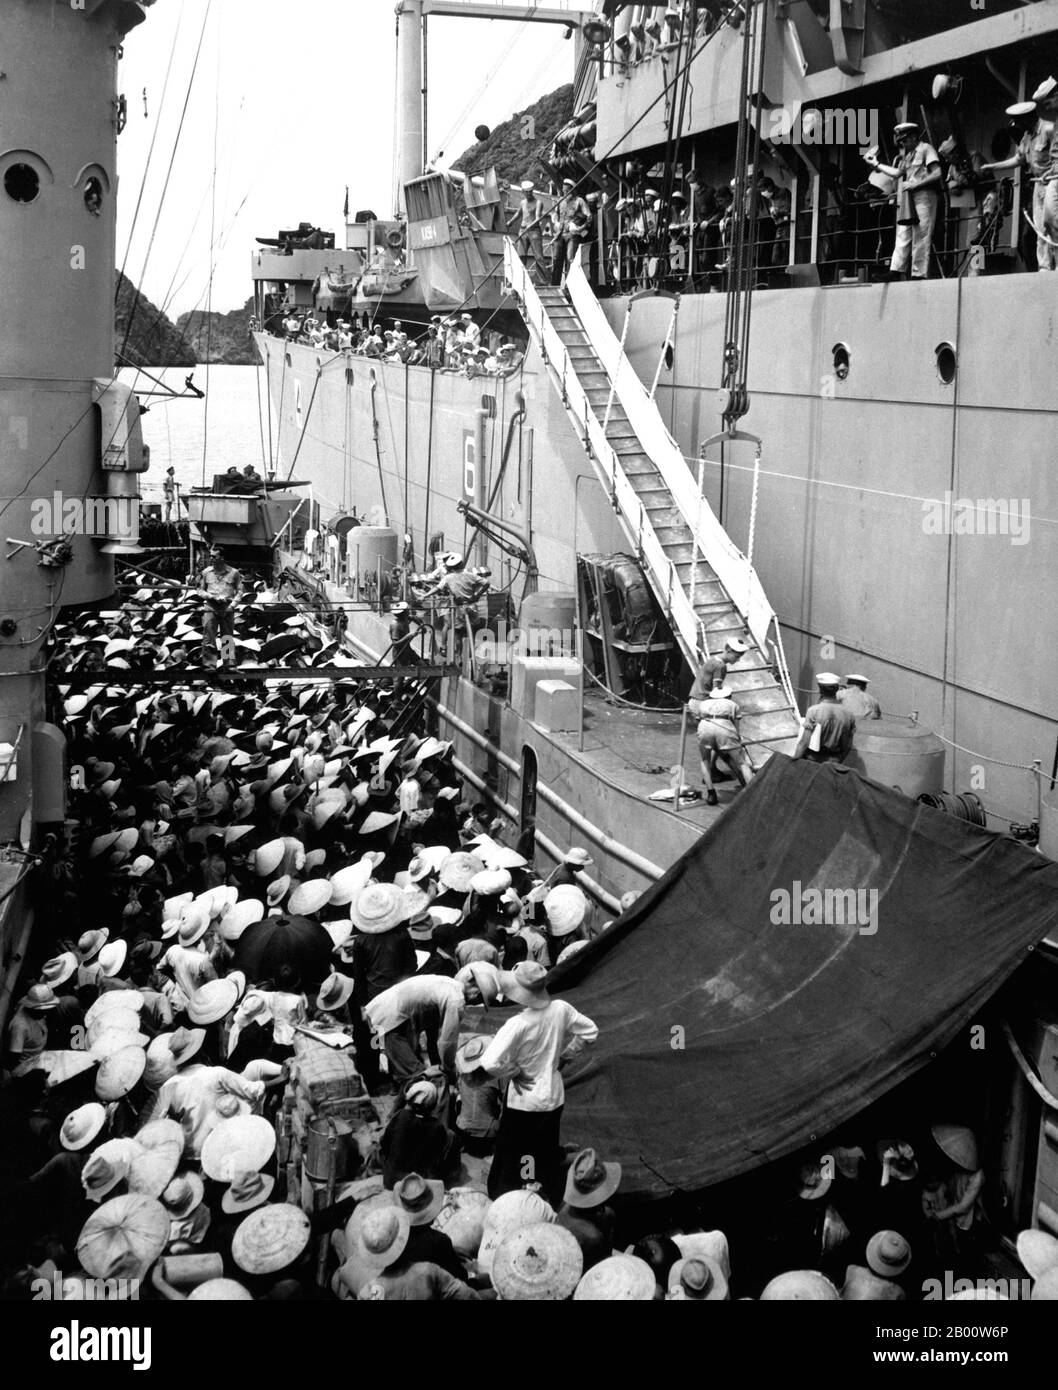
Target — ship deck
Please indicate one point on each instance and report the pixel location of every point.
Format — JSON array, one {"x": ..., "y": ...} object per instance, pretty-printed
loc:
[{"x": 637, "y": 750}]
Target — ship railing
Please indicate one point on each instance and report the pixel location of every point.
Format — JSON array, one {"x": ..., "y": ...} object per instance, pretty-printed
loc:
[
  {"x": 731, "y": 566},
  {"x": 853, "y": 246},
  {"x": 660, "y": 569},
  {"x": 781, "y": 666}
]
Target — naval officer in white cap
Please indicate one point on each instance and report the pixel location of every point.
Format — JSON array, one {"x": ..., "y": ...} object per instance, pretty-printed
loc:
[
  {"x": 855, "y": 699},
  {"x": 533, "y": 222},
  {"x": 919, "y": 173},
  {"x": 1033, "y": 154},
  {"x": 829, "y": 727}
]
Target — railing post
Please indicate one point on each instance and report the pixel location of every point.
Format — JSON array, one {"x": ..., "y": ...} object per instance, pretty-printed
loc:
[
  {"x": 669, "y": 342},
  {"x": 613, "y": 377},
  {"x": 697, "y": 529},
  {"x": 752, "y": 527},
  {"x": 753, "y": 506}
]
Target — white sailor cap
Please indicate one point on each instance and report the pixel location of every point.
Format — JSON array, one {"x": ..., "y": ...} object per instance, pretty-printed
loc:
[
  {"x": 1045, "y": 89},
  {"x": 527, "y": 185},
  {"x": 736, "y": 644},
  {"x": 1021, "y": 108},
  {"x": 860, "y": 680},
  {"x": 827, "y": 680}
]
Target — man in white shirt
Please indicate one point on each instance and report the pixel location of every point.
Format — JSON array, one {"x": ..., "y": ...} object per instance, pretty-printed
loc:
[
  {"x": 191, "y": 1097},
  {"x": 528, "y": 1052},
  {"x": 918, "y": 173},
  {"x": 719, "y": 737},
  {"x": 430, "y": 1004},
  {"x": 190, "y": 968}
]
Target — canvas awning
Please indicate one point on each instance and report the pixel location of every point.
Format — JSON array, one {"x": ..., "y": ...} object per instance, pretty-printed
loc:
[{"x": 727, "y": 1038}]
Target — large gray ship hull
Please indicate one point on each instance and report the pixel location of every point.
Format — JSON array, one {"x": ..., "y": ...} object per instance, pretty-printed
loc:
[{"x": 862, "y": 540}]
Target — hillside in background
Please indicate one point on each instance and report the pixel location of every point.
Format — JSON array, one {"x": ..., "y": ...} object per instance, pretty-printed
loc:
[
  {"x": 153, "y": 340},
  {"x": 512, "y": 146},
  {"x": 220, "y": 337}
]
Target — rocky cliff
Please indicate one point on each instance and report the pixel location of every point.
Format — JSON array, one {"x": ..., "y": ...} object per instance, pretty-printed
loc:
[
  {"x": 220, "y": 337},
  {"x": 144, "y": 335}
]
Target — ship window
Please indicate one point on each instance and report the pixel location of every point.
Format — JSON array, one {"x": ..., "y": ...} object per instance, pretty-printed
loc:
[
  {"x": 93, "y": 196},
  {"x": 348, "y": 376},
  {"x": 287, "y": 356},
  {"x": 22, "y": 183},
  {"x": 947, "y": 362},
  {"x": 841, "y": 361}
]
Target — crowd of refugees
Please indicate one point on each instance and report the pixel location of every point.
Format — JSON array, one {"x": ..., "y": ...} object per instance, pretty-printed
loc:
[
  {"x": 450, "y": 344},
  {"x": 246, "y": 872}
]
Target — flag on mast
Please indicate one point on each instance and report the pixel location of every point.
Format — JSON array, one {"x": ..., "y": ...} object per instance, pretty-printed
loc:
[{"x": 345, "y": 209}]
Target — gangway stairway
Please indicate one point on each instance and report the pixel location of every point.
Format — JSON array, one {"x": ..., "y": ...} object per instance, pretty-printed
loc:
[{"x": 706, "y": 587}]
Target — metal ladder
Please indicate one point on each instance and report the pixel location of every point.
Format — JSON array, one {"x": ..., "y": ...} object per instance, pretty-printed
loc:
[{"x": 706, "y": 587}]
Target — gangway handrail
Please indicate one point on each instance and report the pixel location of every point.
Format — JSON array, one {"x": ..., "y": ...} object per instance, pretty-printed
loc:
[
  {"x": 658, "y": 567},
  {"x": 728, "y": 562}
]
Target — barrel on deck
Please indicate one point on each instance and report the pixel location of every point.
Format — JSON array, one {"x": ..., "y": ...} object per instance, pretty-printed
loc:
[
  {"x": 372, "y": 550},
  {"x": 904, "y": 756}
]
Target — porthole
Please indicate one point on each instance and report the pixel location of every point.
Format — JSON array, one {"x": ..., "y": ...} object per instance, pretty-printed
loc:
[
  {"x": 841, "y": 358},
  {"x": 947, "y": 362},
  {"x": 93, "y": 195},
  {"x": 22, "y": 183}
]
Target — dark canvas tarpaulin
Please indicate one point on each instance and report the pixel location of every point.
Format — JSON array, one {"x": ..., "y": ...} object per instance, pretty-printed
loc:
[{"x": 728, "y": 1039}]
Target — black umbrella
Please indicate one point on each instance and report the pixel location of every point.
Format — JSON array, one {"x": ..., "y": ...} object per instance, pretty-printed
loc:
[{"x": 271, "y": 948}]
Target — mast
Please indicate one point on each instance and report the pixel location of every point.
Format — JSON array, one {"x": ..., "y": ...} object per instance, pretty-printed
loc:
[
  {"x": 410, "y": 95},
  {"x": 411, "y": 153}
]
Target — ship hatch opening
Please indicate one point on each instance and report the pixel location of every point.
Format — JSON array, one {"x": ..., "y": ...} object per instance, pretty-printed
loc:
[
  {"x": 947, "y": 362},
  {"x": 22, "y": 183}
]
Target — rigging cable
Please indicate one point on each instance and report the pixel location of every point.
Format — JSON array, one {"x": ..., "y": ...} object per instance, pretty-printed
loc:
[
  {"x": 743, "y": 242},
  {"x": 212, "y": 264},
  {"x": 429, "y": 471},
  {"x": 266, "y": 461},
  {"x": 169, "y": 171},
  {"x": 150, "y": 150}
]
